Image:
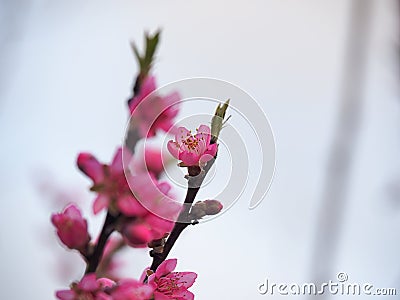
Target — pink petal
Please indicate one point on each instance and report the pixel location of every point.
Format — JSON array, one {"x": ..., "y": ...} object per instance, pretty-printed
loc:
[
  {"x": 171, "y": 102},
  {"x": 65, "y": 295},
  {"x": 186, "y": 295},
  {"x": 212, "y": 149},
  {"x": 173, "y": 148},
  {"x": 73, "y": 212},
  {"x": 106, "y": 282},
  {"x": 89, "y": 283},
  {"x": 122, "y": 155},
  {"x": 181, "y": 134},
  {"x": 189, "y": 158},
  {"x": 103, "y": 296},
  {"x": 164, "y": 187},
  {"x": 129, "y": 206},
  {"x": 185, "y": 278},
  {"x": 201, "y": 147},
  {"x": 205, "y": 158},
  {"x": 159, "y": 226},
  {"x": 100, "y": 203},
  {"x": 161, "y": 296},
  {"x": 148, "y": 86},
  {"x": 204, "y": 132},
  {"x": 166, "y": 267},
  {"x": 137, "y": 235},
  {"x": 90, "y": 166}
]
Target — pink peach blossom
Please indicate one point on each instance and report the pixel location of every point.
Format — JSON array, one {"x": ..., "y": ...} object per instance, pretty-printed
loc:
[
  {"x": 148, "y": 160},
  {"x": 110, "y": 183},
  {"x": 171, "y": 285},
  {"x": 193, "y": 149},
  {"x": 150, "y": 111},
  {"x": 130, "y": 289},
  {"x": 88, "y": 288},
  {"x": 161, "y": 211},
  {"x": 155, "y": 195},
  {"x": 72, "y": 228}
]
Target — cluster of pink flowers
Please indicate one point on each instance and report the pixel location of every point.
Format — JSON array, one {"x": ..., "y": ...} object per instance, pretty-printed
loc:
[
  {"x": 141, "y": 210},
  {"x": 162, "y": 284},
  {"x": 114, "y": 186}
]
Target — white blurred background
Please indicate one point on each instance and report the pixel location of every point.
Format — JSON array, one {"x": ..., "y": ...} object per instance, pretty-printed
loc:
[{"x": 66, "y": 72}]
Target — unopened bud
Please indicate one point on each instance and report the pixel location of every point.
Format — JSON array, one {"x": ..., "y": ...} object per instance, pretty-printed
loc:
[
  {"x": 212, "y": 207},
  {"x": 198, "y": 210}
]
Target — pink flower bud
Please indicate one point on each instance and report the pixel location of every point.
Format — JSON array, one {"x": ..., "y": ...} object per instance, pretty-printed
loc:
[
  {"x": 198, "y": 210},
  {"x": 212, "y": 207},
  {"x": 71, "y": 227},
  {"x": 137, "y": 235}
]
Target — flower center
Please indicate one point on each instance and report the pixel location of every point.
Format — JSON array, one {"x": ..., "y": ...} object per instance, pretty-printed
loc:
[{"x": 191, "y": 142}]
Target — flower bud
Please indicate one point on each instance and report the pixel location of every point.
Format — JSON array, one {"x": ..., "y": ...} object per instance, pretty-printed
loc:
[
  {"x": 71, "y": 228},
  {"x": 198, "y": 210},
  {"x": 212, "y": 207},
  {"x": 137, "y": 235},
  {"x": 205, "y": 208}
]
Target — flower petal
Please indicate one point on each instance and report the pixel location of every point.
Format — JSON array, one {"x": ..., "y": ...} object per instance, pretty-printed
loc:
[
  {"x": 129, "y": 206},
  {"x": 89, "y": 283},
  {"x": 173, "y": 148},
  {"x": 182, "y": 134},
  {"x": 65, "y": 295},
  {"x": 166, "y": 267},
  {"x": 161, "y": 296},
  {"x": 121, "y": 156},
  {"x": 212, "y": 149},
  {"x": 100, "y": 203},
  {"x": 204, "y": 132},
  {"x": 189, "y": 158},
  {"x": 205, "y": 158},
  {"x": 185, "y": 278},
  {"x": 90, "y": 166}
]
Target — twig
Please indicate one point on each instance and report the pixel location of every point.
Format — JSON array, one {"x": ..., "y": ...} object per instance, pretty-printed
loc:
[
  {"x": 195, "y": 180},
  {"x": 95, "y": 257}
]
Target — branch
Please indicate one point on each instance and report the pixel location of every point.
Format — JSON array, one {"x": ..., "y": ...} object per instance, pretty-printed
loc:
[
  {"x": 191, "y": 193},
  {"x": 95, "y": 258},
  {"x": 195, "y": 179}
]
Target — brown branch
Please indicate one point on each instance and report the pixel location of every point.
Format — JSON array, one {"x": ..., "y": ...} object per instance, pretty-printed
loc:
[
  {"x": 94, "y": 259},
  {"x": 196, "y": 178}
]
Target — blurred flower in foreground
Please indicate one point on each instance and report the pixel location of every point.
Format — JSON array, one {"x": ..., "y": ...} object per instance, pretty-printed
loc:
[
  {"x": 149, "y": 159},
  {"x": 150, "y": 111},
  {"x": 71, "y": 228},
  {"x": 131, "y": 289},
  {"x": 110, "y": 183},
  {"x": 88, "y": 288}
]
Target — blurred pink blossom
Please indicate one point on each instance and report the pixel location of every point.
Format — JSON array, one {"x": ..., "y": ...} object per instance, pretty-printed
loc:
[
  {"x": 150, "y": 111},
  {"x": 71, "y": 227},
  {"x": 88, "y": 288},
  {"x": 110, "y": 183},
  {"x": 130, "y": 289},
  {"x": 148, "y": 160}
]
